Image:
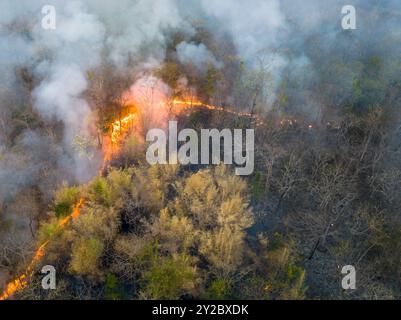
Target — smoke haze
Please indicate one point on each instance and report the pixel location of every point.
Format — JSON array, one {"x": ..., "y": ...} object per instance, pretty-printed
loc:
[{"x": 293, "y": 40}]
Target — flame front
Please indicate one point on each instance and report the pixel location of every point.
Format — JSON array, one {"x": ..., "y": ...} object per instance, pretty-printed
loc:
[
  {"x": 191, "y": 103},
  {"x": 22, "y": 280},
  {"x": 284, "y": 121},
  {"x": 74, "y": 214},
  {"x": 119, "y": 127},
  {"x": 118, "y": 131}
]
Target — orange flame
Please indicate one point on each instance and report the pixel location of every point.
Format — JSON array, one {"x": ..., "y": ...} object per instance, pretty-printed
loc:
[
  {"x": 190, "y": 103},
  {"x": 258, "y": 121},
  {"x": 22, "y": 280},
  {"x": 74, "y": 214},
  {"x": 119, "y": 127},
  {"x": 210, "y": 107},
  {"x": 118, "y": 131}
]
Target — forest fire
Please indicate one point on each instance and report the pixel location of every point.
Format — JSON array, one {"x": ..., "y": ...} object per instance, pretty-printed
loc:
[
  {"x": 22, "y": 280},
  {"x": 220, "y": 150},
  {"x": 190, "y": 103},
  {"x": 74, "y": 214},
  {"x": 258, "y": 120},
  {"x": 119, "y": 127},
  {"x": 118, "y": 130}
]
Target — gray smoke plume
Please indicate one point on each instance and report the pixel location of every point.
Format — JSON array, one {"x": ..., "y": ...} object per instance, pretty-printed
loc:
[
  {"x": 297, "y": 42},
  {"x": 197, "y": 55},
  {"x": 58, "y": 61}
]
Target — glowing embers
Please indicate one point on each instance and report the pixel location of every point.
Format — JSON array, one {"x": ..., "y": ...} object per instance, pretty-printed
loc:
[
  {"x": 190, "y": 103},
  {"x": 22, "y": 280}
]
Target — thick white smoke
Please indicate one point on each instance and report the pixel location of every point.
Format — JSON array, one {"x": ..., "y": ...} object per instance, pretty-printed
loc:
[
  {"x": 272, "y": 34},
  {"x": 60, "y": 60},
  {"x": 136, "y": 29},
  {"x": 256, "y": 28},
  {"x": 197, "y": 55},
  {"x": 254, "y": 25}
]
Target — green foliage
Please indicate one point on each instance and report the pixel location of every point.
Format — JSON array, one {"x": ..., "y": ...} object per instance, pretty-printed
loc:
[
  {"x": 150, "y": 187},
  {"x": 192, "y": 238},
  {"x": 175, "y": 233},
  {"x": 169, "y": 278},
  {"x": 49, "y": 230},
  {"x": 62, "y": 209},
  {"x": 85, "y": 256},
  {"x": 64, "y": 200},
  {"x": 132, "y": 150},
  {"x": 217, "y": 204},
  {"x": 369, "y": 86},
  {"x": 295, "y": 282},
  {"x": 219, "y": 289},
  {"x": 119, "y": 184},
  {"x": 284, "y": 279},
  {"x": 99, "y": 222},
  {"x": 99, "y": 191},
  {"x": 111, "y": 290},
  {"x": 257, "y": 185}
]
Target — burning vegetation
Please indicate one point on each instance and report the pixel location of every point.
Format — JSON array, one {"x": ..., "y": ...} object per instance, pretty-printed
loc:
[
  {"x": 77, "y": 192},
  {"x": 22, "y": 280}
]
